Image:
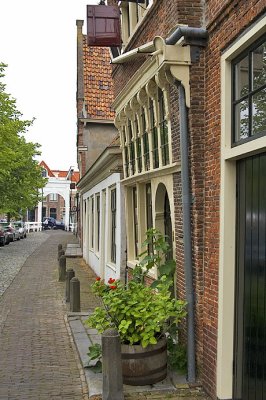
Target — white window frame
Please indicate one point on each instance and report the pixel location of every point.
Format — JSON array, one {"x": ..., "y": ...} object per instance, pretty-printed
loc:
[
  {"x": 129, "y": 21},
  {"x": 53, "y": 197}
]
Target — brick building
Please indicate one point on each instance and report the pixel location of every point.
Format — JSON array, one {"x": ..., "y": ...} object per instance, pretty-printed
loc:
[
  {"x": 190, "y": 108},
  {"x": 101, "y": 230},
  {"x": 59, "y": 196}
]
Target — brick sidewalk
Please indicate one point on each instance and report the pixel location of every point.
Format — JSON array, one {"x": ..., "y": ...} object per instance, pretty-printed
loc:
[
  {"x": 37, "y": 357},
  {"x": 38, "y": 360}
]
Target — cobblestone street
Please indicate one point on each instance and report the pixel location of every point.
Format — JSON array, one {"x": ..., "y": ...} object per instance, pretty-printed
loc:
[{"x": 37, "y": 357}]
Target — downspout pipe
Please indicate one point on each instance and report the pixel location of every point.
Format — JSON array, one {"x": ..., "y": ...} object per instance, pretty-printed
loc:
[
  {"x": 186, "y": 204},
  {"x": 196, "y": 37},
  {"x": 198, "y": 34}
]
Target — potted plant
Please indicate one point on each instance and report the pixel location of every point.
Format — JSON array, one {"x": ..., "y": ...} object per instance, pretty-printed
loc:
[{"x": 143, "y": 315}]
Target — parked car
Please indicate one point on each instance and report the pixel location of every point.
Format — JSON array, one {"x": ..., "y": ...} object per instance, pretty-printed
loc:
[
  {"x": 20, "y": 226},
  {"x": 4, "y": 236},
  {"x": 49, "y": 223},
  {"x": 12, "y": 231},
  {"x": 59, "y": 225}
]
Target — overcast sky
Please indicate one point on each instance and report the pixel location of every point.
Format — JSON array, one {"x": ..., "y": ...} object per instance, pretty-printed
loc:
[{"x": 38, "y": 42}]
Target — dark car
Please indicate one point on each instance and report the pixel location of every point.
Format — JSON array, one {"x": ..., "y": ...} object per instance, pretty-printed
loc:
[
  {"x": 11, "y": 231},
  {"x": 59, "y": 225},
  {"x": 49, "y": 223},
  {"x": 4, "y": 236}
]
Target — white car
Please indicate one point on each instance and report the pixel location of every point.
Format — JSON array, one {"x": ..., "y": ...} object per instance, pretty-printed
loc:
[{"x": 21, "y": 228}]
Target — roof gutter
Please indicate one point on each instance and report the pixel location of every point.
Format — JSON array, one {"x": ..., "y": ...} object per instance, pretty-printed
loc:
[{"x": 129, "y": 55}]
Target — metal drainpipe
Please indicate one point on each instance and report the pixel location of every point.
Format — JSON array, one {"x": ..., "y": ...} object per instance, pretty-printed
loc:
[
  {"x": 186, "y": 203},
  {"x": 197, "y": 34},
  {"x": 194, "y": 36}
]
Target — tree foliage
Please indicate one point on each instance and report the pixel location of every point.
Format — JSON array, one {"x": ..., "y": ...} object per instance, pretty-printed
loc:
[{"x": 20, "y": 174}]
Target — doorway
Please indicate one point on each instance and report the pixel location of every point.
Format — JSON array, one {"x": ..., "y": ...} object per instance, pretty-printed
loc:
[{"x": 250, "y": 295}]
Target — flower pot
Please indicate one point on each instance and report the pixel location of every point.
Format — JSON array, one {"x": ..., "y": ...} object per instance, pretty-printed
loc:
[{"x": 144, "y": 366}]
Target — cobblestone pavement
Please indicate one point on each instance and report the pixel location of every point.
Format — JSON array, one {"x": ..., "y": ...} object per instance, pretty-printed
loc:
[
  {"x": 38, "y": 360},
  {"x": 13, "y": 256}
]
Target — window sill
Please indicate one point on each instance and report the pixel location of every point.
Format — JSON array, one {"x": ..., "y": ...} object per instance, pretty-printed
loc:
[{"x": 147, "y": 175}]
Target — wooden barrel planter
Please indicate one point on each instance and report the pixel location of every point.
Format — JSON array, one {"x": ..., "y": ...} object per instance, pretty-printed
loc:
[{"x": 144, "y": 366}]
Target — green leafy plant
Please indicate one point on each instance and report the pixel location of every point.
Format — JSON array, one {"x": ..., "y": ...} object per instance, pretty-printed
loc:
[
  {"x": 95, "y": 353},
  {"x": 141, "y": 314},
  {"x": 155, "y": 256}
]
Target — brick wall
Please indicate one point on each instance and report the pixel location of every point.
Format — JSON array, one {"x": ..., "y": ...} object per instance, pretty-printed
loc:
[{"x": 225, "y": 21}]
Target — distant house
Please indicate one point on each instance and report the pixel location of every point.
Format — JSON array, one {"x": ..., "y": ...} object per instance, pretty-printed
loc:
[
  {"x": 102, "y": 228},
  {"x": 59, "y": 196}
]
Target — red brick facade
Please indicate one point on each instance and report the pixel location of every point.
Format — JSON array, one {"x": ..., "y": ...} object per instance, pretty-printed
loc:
[{"x": 224, "y": 21}]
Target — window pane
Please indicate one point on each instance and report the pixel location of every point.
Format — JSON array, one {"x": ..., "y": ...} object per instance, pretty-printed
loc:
[
  {"x": 113, "y": 226},
  {"x": 241, "y": 72},
  {"x": 139, "y": 154},
  {"x": 155, "y": 148},
  {"x": 135, "y": 211},
  {"x": 259, "y": 113},
  {"x": 259, "y": 66},
  {"x": 146, "y": 151},
  {"x": 241, "y": 120}
]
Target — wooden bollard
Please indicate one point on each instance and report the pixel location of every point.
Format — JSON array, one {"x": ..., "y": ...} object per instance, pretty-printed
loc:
[
  {"x": 74, "y": 295},
  {"x": 112, "y": 366},
  {"x": 60, "y": 253},
  {"x": 70, "y": 273},
  {"x": 62, "y": 269}
]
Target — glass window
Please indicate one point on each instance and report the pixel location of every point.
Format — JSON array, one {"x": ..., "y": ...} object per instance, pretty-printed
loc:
[
  {"x": 155, "y": 149},
  {"x": 53, "y": 213},
  {"x": 113, "y": 225},
  {"x": 53, "y": 196},
  {"x": 149, "y": 221},
  {"x": 92, "y": 222},
  {"x": 98, "y": 213},
  {"x": 249, "y": 93},
  {"x": 126, "y": 160},
  {"x": 135, "y": 216},
  {"x": 138, "y": 145},
  {"x": 131, "y": 148},
  {"x": 163, "y": 128},
  {"x": 146, "y": 149}
]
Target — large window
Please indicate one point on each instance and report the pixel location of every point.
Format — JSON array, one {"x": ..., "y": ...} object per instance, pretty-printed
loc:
[
  {"x": 53, "y": 196},
  {"x": 145, "y": 131},
  {"x": 163, "y": 128},
  {"x": 131, "y": 145},
  {"x": 135, "y": 216},
  {"x": 92, "y": 222},
  {"x": 149, "y": 219},
  {"x": 132, "y": 14},
  {"x": 53, "y": 213},
  {"x": 249, "y": 93},
  {"x": 98, "y": 213},
  {"x": 154, "y": 132},
  {"x": 113, "y": 225}
]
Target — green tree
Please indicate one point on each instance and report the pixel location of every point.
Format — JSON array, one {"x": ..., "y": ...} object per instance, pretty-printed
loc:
[{"x": 20, "y": 174}]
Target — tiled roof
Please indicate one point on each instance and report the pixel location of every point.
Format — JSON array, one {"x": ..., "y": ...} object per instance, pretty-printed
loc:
[
  {"x": 45, "y": 166},
  {"x": 63, "y": 174},
  {"x": 56, "y": 173},
  {"x": 98, "y": 85}
]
